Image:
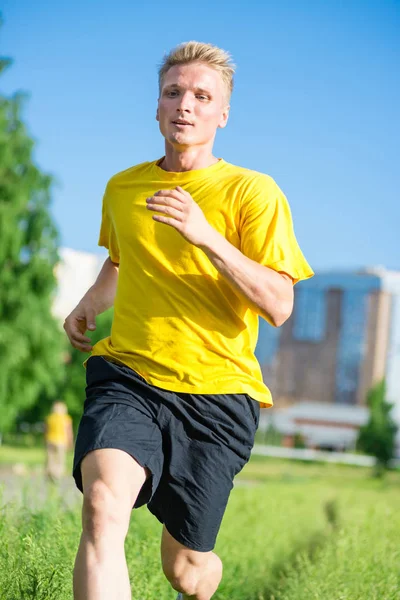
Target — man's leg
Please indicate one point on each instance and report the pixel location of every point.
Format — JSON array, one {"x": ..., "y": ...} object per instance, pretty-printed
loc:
[
  {"x": 112, "y": 480},
  {"x": 195, "y": 574},
  {"x": 60, "y": 460},
  {"x": 49, "y": 458}
]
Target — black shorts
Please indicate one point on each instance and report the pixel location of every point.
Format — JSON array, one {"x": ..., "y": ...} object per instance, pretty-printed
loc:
[{"x": 193, "y": 445}]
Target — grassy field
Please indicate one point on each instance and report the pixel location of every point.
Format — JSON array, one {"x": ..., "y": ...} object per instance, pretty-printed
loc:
[
  {"x": 292, "y": 531},
  {"x": 31, "y": 458},
  {"x": 11, "y": 455}
]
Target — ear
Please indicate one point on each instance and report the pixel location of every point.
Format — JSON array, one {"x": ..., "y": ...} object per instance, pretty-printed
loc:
[{"x": 224, "y": 117}]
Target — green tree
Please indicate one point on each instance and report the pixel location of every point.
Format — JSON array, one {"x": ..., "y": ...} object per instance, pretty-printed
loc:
[
  {"x": 378, "y": 436},
  {"x": 72, "y": 391},
  {"x": 31, "y": 340},
  {"x": 272, "y": 436}
]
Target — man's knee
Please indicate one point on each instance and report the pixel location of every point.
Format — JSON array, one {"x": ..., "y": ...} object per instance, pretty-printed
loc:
[
  {"x": 102, "y": 514},
  {"x": 183, "y": 576},
  {"x": 187, "y": 571}
]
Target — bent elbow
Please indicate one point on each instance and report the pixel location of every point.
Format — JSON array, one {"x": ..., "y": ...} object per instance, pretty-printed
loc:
[
  {"x": 281, "y": 316},
  {"x": 280, "y": 321}
]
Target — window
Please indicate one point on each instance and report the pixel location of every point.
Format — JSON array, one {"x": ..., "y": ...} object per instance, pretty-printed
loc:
[
  {"x": 351, "y": 347},
  {"x": 309, "y": 314}
]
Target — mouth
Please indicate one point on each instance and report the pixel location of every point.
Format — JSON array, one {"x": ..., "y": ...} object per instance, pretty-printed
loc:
[{"x": 182, "y": 123}]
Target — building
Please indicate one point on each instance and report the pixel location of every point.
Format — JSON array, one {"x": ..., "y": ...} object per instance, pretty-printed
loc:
[
  {"x": 343, "y": 337},
  {"x": 75, "y": 273}
]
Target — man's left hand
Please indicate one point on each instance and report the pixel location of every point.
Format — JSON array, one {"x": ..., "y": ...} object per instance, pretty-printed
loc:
[{"x": 180, "y": 211}]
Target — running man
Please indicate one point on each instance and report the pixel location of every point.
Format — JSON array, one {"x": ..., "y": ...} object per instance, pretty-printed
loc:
[
  {"x": 59, "y": 438},
  {"x": 198, "y": 250}
]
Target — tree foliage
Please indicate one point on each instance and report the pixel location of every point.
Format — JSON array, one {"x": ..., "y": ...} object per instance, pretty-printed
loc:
[
  {"x": 378, "y": 436},
  {"x": 30, "y": 338}
]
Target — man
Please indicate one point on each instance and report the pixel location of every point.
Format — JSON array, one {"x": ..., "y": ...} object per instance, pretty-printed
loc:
[
  {"x": 198, "y": 249},
  {"x": 59, "y": 438}
]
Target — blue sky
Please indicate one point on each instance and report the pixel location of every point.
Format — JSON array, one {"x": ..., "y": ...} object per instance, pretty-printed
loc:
[{"x": 316, "y": 106}]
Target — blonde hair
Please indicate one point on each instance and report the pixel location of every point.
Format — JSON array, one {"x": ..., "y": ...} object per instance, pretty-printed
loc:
[
  {"x": 190, "y": 52},
  {"x": 60, "y": 407}
]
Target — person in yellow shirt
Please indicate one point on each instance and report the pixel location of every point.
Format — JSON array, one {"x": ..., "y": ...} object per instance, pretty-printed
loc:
[
  {"x": 199, "y": 249},
  {"x": 59, "y": 439}
]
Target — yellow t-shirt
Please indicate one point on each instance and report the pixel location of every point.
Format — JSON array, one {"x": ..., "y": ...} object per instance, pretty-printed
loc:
[
  {"x": 177, "y": 321},
  {"x": 56, "y": 428}
]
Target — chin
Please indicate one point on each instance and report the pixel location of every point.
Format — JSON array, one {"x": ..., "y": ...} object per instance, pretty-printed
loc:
[{"x": 180, "y": 139}]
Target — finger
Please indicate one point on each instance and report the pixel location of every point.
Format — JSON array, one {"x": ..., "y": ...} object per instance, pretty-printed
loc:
[
  {"x": 167, "y": 210},
  {"x": 168, "y": 221},
  {"x": 167, "y": 201},
  {"x": 90, "y": 318},
  {"x": 75, "y": 326},
  {"x": 88, "y": 321},
  {"x": 181, "y": 190},
  {"x": 69, "y": 329},
  {"x": 80, "y": 338},
  {"x": 83, "y": 347},
  {"x": 172, "y": 194}
]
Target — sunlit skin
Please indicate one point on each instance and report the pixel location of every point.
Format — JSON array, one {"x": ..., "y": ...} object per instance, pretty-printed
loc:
[{"x": 194, "y": 93}]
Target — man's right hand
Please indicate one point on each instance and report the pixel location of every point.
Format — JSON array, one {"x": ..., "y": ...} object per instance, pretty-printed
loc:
[{"x": 82, "y": 319}]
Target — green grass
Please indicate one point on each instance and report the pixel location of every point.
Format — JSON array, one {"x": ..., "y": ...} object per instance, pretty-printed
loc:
[
  {"x": 30, "y": 457},
  {"x": 262, "y": 469},
  {"x": 294, "y": 532}
]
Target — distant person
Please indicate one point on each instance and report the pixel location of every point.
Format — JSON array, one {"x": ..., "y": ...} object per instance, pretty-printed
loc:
[
  {"x": 59, "y": 439},
  {"x": 198, "y": 249}
]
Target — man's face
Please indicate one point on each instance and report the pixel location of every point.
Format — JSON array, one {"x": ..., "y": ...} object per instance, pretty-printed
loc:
[{"x": 192, "y": 105}]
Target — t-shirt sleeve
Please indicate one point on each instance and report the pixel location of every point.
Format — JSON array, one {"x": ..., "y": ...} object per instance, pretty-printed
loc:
[
  {"x": 267, "y": 233},
  {"x": 108, "y": 238}
]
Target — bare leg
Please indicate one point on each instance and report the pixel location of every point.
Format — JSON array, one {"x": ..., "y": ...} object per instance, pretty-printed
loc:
[
  {"x": 195, "y": 574},
  {"x": 111, "y": 483}
]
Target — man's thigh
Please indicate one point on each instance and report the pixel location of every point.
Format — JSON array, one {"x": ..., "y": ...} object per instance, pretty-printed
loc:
[
  {"x": 208, "y": 440},
  {"x": 117, "y": 471},
  {"x": 119, "y": 414}
]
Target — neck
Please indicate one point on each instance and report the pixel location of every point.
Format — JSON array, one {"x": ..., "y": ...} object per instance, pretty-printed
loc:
[{"x": 188, "y": 159}]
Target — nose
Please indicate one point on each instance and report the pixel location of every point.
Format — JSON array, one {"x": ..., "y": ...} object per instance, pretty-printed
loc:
[{"x": 185, "y": 103}]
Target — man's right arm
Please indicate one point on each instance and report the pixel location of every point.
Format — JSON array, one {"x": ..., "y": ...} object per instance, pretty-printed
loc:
[{"x": 97, "y": 299}]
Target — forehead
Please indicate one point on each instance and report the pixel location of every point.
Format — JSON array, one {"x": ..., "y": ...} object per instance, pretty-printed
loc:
[{"x": 193, "y": 75}]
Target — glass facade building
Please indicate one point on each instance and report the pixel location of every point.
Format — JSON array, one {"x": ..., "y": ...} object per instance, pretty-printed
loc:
[
  {"x": 310, "y": 314},
  {"x": 334, "y": 322},
  {"x": 351, "y": 348}
]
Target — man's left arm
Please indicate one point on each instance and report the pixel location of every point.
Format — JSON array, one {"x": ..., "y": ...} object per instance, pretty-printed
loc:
[{"x": 268, "y": 292}]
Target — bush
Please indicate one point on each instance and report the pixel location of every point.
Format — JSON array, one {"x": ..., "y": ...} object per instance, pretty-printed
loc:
[{"x": 378, "y": 436}]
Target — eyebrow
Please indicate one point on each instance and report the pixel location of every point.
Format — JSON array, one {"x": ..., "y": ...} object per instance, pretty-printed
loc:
[
  {"x": 198, "y": 89},
  {"x": 203, "y": 91}
]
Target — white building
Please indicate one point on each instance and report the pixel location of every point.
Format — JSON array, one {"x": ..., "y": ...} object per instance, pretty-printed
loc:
[{"x": 75, "y": 273}]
